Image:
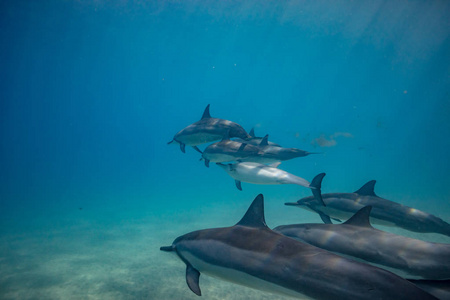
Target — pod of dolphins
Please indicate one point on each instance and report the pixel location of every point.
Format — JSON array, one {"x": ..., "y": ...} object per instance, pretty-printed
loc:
[{"x": 351, "y": 260}]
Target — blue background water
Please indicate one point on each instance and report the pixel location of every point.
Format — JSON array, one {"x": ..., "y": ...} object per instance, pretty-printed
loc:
[{"x": 91, "y": 92}]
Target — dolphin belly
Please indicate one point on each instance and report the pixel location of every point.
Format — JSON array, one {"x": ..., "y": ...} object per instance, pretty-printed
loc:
[
  {"x": 258, "y": 174},
  {"x": 198, "y": 138},
  {"x": 219, "y": 157},
  {"x": 239, "y": 277}
]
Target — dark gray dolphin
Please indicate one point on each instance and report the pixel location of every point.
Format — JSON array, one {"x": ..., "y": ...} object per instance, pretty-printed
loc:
[
  {"x": 252, "y": 255},
  {"x": 254, "y": 140},
  {"x": 407, "y": 257},
  {"x": 229, "y": 150},
  {"x": 273, "y": 153},
  {"x": 438, "y": 288},
  {"x": 207, "y": 130},
  {"x": 342, "y": 206}
]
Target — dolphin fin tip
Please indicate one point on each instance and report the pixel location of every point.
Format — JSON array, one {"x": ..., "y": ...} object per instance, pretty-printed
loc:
[{"x": 192, "y": 280}]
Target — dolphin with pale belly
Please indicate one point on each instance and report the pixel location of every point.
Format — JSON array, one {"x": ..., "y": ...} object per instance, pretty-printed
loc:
[
  {"x": 207, "y": 130},
  {"x": 251, "y": 254},
  {"x": 257, "y": 173},
  {"x": 356, "y": 238},
  {"x": 342, "y": 206},
  {"x": 228, "y": 150}
]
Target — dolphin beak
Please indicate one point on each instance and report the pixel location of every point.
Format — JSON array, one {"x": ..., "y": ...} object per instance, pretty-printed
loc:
[
  {"x": 166, "y": 248},
  {"x": 223, "y": 166},
  {"x": 291, "y": 204}
]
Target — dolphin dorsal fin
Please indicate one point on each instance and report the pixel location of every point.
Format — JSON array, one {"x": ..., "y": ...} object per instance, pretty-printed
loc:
[
  {"x": 206, "y": 114},
  {"x": 265, "y": 141},
  {"x": 254, "y": 217},
  {"x": 367, "y": 189},
  {"x": 360, "y": 218},
  {"x": 252, "y": 132}
]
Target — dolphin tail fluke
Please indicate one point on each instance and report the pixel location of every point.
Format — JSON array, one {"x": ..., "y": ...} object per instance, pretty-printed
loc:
[
  {"x": 192, "y": 279},
  {"x": 196, "y": 148},
  {"x": 316, "y": 186}
]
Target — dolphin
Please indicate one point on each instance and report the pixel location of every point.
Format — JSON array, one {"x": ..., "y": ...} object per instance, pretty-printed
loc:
[
  {"x": 229, "y": 150},
  {"x": 251, "y": 254},
  {"x": 257, "y": 173},
  {"x": 342, "y": 206},
  {"x": 438, "y": 288},
  {"x": 272, "y": 154},
  {"x": 254, "y": 140},
  {"x": 407, "y": 257},
  {"x": 207, "y": 130}
]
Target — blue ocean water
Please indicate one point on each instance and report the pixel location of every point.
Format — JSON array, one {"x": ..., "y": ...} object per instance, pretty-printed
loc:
[{"x": 92, "y": 91}]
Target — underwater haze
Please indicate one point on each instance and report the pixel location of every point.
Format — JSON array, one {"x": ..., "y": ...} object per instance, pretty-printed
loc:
[{"x": 92, "y": 91}]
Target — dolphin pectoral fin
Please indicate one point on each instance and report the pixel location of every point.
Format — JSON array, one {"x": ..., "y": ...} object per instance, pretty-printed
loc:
[
  {"x": 196, "y": 148},
  {"x": 183, "y": 147},
  {"x": 207, "y": 163},
  {"x": 325, "y": 218},
  {"x": 192, "y": 279},
  {"x": 238, "y": 185}
]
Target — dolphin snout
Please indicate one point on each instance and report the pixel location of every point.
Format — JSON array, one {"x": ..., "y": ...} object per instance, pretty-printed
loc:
[
  {"x": 291, "y": 204},
  {"x": 167, "y": 248}
]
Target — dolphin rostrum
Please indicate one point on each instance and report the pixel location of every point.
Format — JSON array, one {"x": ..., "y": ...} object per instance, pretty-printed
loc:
[
  {"x": 357, "y": 238},
  {"x": 342, "y": 206},
  {"x": 207, "y": 130},
  {"x": 251, "y": 254},
  {"x": 257, "y": 173}
]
